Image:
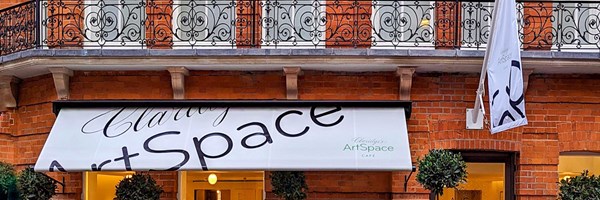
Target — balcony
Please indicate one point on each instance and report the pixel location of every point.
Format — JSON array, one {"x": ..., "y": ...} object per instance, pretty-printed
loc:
[
  {"x": 330, "y": 35},
  {"x": 290, "y": 24}
]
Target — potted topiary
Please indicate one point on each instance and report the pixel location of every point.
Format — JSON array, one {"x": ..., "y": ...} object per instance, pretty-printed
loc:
[
  {"x": 289, "y": 185},
  {"x": 35, "y": 185},
  {"x": 8, "y": 182},
  {"x": 441, "y": 169},
  {"x": 580, "y": 187},
  {"x": 138, "y": 187}
]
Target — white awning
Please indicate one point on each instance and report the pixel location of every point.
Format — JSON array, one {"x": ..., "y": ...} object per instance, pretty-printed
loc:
[{"x": 228, "y": 136}]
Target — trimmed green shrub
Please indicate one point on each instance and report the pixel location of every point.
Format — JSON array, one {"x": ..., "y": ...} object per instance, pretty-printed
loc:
[
  {"x": 35, "y": 185},
  {"x": 289, "y": 185},
  {"x": 441, "y": 169},
  {"x": 582, "y": 187},
  {"x": 138, "y": 187},
  {"x": 8, "y": 182}
]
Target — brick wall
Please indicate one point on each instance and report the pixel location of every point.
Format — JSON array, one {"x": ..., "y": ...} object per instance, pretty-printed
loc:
[
  {"x": 247, "y": 23},
  {"x": 349, "y": 24},
  {"x": 447, "y": 27},
  {"x": 7, "y": 152},
  {"x": 234, "y": 85},
  {"x": 121, "y": 85},
  {"x": 562, "y": 109},
  {"x": 9, "y": 3},
  {"x": 158, "y": 14},
  {"x": 537, "y": 19}
]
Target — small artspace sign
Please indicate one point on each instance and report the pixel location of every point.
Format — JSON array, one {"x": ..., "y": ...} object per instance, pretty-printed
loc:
[{"x": 319, "y": 137}]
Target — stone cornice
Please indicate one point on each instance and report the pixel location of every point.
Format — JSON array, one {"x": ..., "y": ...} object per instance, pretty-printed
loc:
[{"x": 37, "y": 61}]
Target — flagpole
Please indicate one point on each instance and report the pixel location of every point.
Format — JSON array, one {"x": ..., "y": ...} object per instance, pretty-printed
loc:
[{"x": 480, "y": 89}]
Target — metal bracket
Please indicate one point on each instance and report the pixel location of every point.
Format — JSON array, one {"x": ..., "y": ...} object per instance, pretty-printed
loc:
[
  {"x": 474, "y": 124},
  {"x": 414, "y": 169},
  {"x": 62, "y": 184}
]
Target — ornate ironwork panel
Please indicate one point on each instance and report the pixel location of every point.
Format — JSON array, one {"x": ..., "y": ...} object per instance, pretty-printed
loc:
[
  {"x": 396, "y": 24},
  {"x": 574, "y": 26},
  {"x": 18, "y": 26},
  {"x": 475, "y": 23}
]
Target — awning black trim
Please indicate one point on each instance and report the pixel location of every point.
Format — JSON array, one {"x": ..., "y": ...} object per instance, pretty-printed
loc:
[{"x": 58, "y": 105}]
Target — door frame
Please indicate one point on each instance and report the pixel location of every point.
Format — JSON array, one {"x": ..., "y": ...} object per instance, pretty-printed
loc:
[{"x": 508, "y": 158}]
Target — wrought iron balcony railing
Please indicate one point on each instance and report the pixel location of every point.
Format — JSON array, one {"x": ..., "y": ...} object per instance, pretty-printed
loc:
[{"x": 395, "y": 24}]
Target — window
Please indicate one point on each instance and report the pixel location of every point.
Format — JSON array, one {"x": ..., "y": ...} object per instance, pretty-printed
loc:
[
  {"x": 403, "y": 24},
  {"x": 203, "y": 24},
  {"x": 229, "y": 185},
  {"x": 571, "y": 165},
  {"x": 113, "y": 24},
  {"x": 293, "y": 23},
  {"x": 102, "y": 185}
]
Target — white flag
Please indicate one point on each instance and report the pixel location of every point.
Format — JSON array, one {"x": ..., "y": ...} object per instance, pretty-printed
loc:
[{"x": 504, "y": 70}]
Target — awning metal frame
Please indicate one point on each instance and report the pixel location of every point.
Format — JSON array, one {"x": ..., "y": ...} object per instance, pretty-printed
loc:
[{"x": 59, "y": 104}]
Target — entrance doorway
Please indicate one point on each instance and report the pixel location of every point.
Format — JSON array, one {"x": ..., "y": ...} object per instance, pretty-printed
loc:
[
  {"x": 221, "y": 185},
  {"x": 490, "y": 177},
  {"x": 102, "y": 185}
]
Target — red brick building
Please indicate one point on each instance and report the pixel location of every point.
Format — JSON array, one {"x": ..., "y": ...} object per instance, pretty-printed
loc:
[{"x": 439, "y": 78}]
